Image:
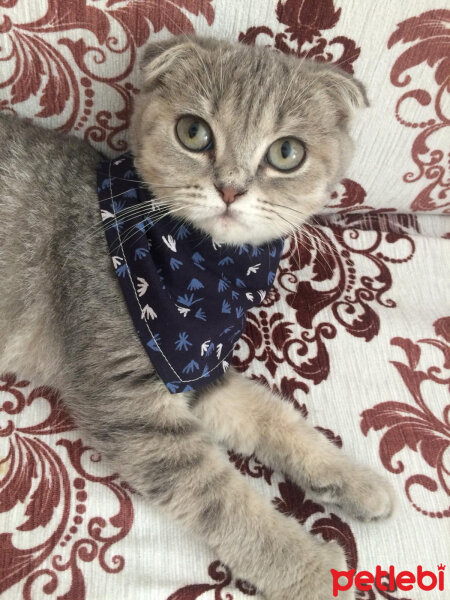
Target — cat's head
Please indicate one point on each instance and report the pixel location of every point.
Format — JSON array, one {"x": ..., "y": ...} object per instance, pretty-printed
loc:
[{"x": 242, "y": 142}]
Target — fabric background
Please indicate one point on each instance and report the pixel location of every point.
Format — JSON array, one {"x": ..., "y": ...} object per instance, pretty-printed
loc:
[{"x": 356, "y": 331}]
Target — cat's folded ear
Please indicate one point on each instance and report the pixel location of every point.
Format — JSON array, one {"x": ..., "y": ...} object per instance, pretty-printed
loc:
[
  {"x": 159, "y": 57},
  {"x": 346, "y": 93}
]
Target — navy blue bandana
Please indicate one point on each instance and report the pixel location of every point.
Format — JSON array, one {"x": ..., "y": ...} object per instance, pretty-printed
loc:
[{"x": 187, "y": 295}]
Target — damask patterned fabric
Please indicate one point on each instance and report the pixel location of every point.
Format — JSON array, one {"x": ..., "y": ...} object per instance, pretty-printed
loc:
[
  {"x": 355, "y": 331},
  {"x": 187, "y": 294}
]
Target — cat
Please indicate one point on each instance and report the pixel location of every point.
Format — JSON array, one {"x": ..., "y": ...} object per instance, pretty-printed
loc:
[{"x": 243, "y": 144}]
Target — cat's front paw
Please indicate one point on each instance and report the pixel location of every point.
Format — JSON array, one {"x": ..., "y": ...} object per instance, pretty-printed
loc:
[{"x": 360, "y": 491}]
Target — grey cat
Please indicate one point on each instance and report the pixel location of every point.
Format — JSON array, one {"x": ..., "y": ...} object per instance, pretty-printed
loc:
[{"x": 279, "y": 127}]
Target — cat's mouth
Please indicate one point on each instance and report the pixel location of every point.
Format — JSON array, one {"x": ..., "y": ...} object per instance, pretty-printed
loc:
[
  {"x": 228, "y": 217},
  {"x": 227, "y": 226},
  {"x": 232, "y": 226}
]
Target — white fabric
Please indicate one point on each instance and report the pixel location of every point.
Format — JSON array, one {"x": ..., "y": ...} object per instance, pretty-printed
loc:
[{"x": 340, "y": 368}]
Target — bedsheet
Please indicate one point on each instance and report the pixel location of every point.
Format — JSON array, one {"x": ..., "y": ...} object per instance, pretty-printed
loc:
[{"x": 355, "y": 331}]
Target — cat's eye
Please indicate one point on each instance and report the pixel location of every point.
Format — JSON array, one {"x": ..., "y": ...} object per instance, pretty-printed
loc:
[
  {"x": 194, "y": 133},
  {"x": 286, "y": 154}
]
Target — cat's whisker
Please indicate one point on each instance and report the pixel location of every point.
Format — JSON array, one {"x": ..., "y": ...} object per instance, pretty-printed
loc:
[
  {"x": 101, "y": 228},
  {"x": 221, "y": 80},
  {"x": 284, "y": 206},
  {"x": 296, "y": 243},
  {"x": 309, "y": 221},
  {"x": 127, "y": 211},
  {"x": 123, "y": 238},
  {"x": 146, "y": 184},
  {"x": 320, "y": 241},
  {"x": 275, "y": 212},
  {"x": 151, "y": 203},
  {"x": 142, "y": 211},
  {"x": 122, "y": 193},
  {"x": 319, "y": 236},
  {"x": 305, "y": 232},
  {"x": 288, "y": 87},
  {"x": 295, "y": 240},
  {"x": 127, "y": 234},
  {"x": 320, "y": 257},
  {"x": 301, "y": 94},
  {"x": 137, "y": 212},
  {"x": 180, "y": 222},
  {"x": 289, "y": 232}
]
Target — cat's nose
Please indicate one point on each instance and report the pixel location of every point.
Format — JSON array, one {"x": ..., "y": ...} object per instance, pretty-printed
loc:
[{"x": 229, "y": 193}]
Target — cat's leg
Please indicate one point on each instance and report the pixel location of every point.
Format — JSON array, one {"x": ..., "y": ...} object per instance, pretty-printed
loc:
[
  {"x": 251, "y": 420},
  {"x": 156, "y": 443}
]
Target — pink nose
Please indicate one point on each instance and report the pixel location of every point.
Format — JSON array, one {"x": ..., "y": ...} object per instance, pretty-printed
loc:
[{"x": 229, "y": 194}]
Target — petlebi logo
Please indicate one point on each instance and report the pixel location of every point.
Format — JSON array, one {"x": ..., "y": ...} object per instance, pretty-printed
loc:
[{"x": 403, "y": 580}]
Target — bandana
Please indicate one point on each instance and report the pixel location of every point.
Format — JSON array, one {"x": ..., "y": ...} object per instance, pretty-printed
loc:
[{"x": 187, "y": 295}]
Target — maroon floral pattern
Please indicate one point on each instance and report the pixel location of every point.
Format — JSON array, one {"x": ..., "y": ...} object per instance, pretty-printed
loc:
[
  {"x": 325, "y": 268},
  {"x": 250, "y": 465},
  {"x": 223, "y": 577},
  {"x": 66, "y": 74},
  {"x": 428, "y": 39},
  {"x": 59, "y": 61},
  {"x": 350, "y": 195},
  {"x": 303, "y": 35},
  {"x": 51, "y": 477},
  {"x": 424, "y": 425},
  {"x": 292, "y": 501}
]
